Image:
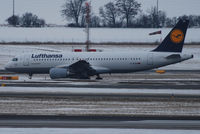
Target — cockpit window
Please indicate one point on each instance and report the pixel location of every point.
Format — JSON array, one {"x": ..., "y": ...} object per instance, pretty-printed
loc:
[{"x": 15, "y": 59}]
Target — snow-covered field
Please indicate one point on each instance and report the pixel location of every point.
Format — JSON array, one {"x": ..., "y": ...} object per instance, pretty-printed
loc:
[
  {"x": 98, "y": 35},
  {"x": 91, "y": 131}
]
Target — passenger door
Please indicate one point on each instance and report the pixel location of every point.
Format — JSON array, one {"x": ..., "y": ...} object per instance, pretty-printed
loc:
[
  {"x": 26, "y": 61},
  {"x": 150, "y": 59}
]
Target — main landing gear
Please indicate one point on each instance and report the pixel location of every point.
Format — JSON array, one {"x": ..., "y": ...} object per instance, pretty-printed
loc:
[
  {"x": 30, "y": 76},
  {"x": 98, "y": 77}
]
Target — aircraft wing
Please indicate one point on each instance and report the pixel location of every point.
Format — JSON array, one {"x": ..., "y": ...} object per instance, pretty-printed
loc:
[
  {"x": 80, "y": 69},
  {"x": 83, "y": 69}
]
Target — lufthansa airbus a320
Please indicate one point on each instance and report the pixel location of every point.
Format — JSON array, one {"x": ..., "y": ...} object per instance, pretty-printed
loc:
[{"x": 83, "y": 65}]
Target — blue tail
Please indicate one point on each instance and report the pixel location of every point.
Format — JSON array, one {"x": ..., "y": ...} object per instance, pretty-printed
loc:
[{"x": 175, "y": 39}]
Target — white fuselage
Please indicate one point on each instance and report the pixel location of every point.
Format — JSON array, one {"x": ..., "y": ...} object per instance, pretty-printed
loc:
[{"x": 102, "y": 62}]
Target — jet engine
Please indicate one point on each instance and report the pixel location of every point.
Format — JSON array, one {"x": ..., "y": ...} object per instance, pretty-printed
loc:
[{"x": 56, "y": 73}]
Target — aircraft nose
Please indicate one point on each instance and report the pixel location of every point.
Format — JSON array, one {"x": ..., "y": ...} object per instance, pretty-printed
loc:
[{"x": 8, "y": 66}]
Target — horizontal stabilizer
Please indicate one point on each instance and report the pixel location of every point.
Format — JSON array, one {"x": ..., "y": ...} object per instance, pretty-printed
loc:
[{"x": 173, "y": 56}]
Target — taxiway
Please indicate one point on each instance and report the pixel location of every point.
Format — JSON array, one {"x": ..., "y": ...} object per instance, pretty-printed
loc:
[{"x": 141, "y": 100}]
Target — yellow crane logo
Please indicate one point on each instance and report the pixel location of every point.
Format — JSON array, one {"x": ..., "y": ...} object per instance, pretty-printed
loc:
[{"x": 177, "y": 36}]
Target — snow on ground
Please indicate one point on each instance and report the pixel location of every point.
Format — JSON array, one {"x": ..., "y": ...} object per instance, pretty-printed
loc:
[
  {"x": 98, "y": 90},
  {"x": 98, "y": 35},
  {"x": 92, "y": 131},
  {"x": 111, "y": 106}
]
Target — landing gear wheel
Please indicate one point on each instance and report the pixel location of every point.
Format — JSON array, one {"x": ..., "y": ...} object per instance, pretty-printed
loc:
[
  {"x": 98, "y": 77},
  {"x": 30, "y": 76}
]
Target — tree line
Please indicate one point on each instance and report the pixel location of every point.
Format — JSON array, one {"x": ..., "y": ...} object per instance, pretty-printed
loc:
[
  {"x": 26, "y": 20},
  {"x": 111, "y": 15},
  {"x": 121, "y": 13}
]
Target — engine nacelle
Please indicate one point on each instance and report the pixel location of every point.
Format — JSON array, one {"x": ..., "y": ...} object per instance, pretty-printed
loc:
[{"x": 56, "y": 73}]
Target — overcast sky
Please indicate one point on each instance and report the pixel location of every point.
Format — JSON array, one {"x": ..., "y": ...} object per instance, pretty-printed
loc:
[{"x": 50, "y": 9}]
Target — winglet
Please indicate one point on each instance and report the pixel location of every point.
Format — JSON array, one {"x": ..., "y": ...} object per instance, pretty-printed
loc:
[{"x": 175, "y": 39}]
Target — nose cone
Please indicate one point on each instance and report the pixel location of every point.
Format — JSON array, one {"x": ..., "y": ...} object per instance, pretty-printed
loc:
[{"x": 8, "y": 66}]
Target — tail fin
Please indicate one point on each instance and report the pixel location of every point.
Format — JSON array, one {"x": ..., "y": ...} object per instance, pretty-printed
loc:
[{"x": 175, "y": 39}]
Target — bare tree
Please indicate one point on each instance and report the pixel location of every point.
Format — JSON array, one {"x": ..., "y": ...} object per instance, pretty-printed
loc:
[
  {"x": 153, "y": 17},
  {"x": 170, "y": 22},
  {"x": 109, "y": 13},
  {"x": 72, "y": 10},
  {"x": 162, "y": 18},
  {"x": 143, "y": 21},
  {"x": 95, "y": 21},
  {"x": 157, "y": 18},
  {"x": 128, "y": 9},
  {"x": 13, "y": 20}
]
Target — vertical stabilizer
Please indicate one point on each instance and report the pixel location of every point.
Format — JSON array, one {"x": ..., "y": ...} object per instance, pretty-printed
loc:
[{"x": 175, "y": 39}]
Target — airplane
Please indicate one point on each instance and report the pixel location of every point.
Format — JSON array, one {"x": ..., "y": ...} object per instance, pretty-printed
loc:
[{"x": 83, "y": 65}]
